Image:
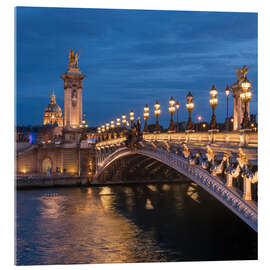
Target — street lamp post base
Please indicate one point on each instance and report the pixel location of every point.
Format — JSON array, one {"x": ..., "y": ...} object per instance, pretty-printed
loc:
[
  {"x": 245, "y": 130},
  {"x": 213, "y": 130}
]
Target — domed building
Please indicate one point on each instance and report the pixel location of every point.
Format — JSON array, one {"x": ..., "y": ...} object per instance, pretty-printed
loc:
[{"x": 53, "y": 113}]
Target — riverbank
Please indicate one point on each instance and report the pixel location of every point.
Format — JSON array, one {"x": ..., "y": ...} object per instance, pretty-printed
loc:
[
  {"x": 73, "y": 181},
  {"x": 46, "y": 181}
]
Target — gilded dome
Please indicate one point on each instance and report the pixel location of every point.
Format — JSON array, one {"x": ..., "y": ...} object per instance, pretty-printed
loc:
[
  {"x": 53, "y": 113},
  {"x": 53, "y": 108}
]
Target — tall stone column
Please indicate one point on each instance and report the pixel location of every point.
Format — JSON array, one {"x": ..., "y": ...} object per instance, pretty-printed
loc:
[
  {"x": 73, "y": 92},
  {"x": 73, "y": 98},
  {"x": 238, "y": 106}
]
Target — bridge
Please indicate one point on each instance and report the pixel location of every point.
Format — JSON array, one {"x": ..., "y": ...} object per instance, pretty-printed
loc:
[{"x": 224, "y": 164}]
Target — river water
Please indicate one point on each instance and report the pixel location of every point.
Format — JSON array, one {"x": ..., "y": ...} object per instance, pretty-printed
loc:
[{"x": 132, "y": 223}]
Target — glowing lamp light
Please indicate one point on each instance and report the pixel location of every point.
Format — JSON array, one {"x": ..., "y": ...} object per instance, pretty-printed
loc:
[
  {"x": 190, "y": 106},
  {"x": 157, "y": 109},
  {"x": 177, "y": 105},
  {"x": 103, "y": 128},
  {"x": 246, "y": 84},
  {"x": 227, "y": 91},
  {"x": 172, "y": 101},
  {"x": 112, "y": 124},
  {"x": 118, "y": 122},
  {"x": 131, "y": 114},
  {"x": 171, "y": 109},
  {"x": 124, "y": 120},
  {"x": 213, "y": 92},
  {"x": 107, "y": 126},
  {"x": 146, "y": 112},
  {"x": 213, "y": 100}
]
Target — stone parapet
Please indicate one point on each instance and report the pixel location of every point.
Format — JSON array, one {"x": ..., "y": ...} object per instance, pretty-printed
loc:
[{"x": 238, "y": 139}]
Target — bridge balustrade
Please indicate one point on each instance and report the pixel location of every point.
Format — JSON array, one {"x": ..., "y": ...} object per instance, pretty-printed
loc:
[{"x": 240, "y": 139}]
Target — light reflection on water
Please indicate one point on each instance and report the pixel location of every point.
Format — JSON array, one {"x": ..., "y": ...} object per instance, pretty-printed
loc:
[{"x": 143, "y": 223}]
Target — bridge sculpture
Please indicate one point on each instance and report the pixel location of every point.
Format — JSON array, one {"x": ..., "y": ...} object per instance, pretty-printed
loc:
[{"x": 214, "y": 161}]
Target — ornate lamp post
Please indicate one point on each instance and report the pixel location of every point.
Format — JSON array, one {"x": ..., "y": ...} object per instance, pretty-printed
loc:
[
  {"x": 171, "y": 110},
  {"x": 245, "y": 97},
  {"x": 190, "y": 107},
  {"x": 107, "y": 127},
  {"x": 112, "y": 128},
  {"x": 227, "y": 121},
  {"x": 157, "y": 114},
  {"x": 177, "y": 105},
  {"x": 118, "y": 123},
  {"x": 145, "y": 117},
  {"x": 124, "y": 121},
  {"x": 103, "y": 128},
  {"x": 213, "y": 103},
  {"x": 103, "y": 132},
  {"x": 112, "y": 125},
  {"x": 99, "y": 133},
  {"x": 131, "y": 114}
]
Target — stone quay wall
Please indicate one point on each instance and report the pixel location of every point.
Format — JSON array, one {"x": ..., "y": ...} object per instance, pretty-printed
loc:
[{"x": 44, "y": 182}]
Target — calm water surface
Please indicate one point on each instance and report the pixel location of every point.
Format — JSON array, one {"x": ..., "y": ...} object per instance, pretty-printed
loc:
[{"x": 135, "y": 223}]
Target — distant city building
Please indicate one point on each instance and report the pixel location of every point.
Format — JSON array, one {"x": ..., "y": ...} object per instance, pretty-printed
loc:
[{"x": 53, "y": 113}]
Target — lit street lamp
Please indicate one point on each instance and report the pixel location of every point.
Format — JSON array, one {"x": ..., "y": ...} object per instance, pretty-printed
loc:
[
  {"x": 157, "y": 114},
  {"x": 190, "y": 107},
  {"x": 177, "y": 105},
  {"x": 112, "y": 128},
  {"x": 112, "y": 125},
  {"x": 107, "y": 126},
  {"x": 103, "y": 132},
  {"x": 131, "y": 114},
  {"x": 227, "y": 121},
  {"x": 145, "y": 117},
  {"x": 245, "y": 97},
  {"x": 99, "y": 133},
  {"x": 118, "y": 122},
  {"x": 198, "y": 126},
  {"x": 171, "y": 110},
  {"x": 124, "y": 121},
  {"x": 213, "y": 103}
]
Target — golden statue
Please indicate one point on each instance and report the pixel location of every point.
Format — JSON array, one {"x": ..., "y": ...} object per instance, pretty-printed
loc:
[
  {"x": 241, "y": 73},
  {"x": 73, "y": 59}
]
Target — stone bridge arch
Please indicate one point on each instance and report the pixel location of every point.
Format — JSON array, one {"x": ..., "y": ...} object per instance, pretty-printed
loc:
[{"x": 225, "y": 194}]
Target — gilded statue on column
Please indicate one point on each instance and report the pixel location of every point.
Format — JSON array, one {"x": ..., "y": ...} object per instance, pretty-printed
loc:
[
  {"x": 241, "y": 73},
  {"x": 73, "y": 60}
]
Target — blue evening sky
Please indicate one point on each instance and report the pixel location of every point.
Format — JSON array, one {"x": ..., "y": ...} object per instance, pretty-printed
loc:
[{"x": 132, "y": 58}]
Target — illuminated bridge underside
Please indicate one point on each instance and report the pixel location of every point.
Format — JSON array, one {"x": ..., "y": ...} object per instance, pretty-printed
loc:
[{"x": 246, "y": 210}]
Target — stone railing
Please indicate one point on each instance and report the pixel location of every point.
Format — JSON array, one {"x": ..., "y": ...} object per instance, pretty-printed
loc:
[
  {"x": 117, "y": 141},
  {"x": 240, "y": 139}
]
